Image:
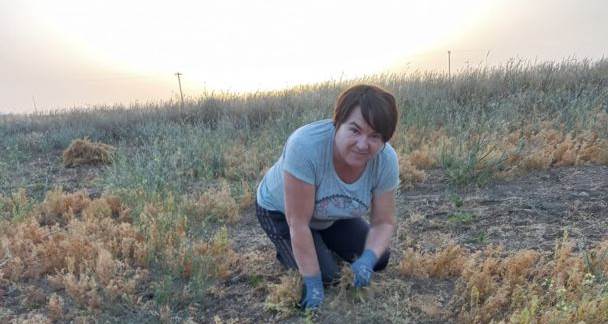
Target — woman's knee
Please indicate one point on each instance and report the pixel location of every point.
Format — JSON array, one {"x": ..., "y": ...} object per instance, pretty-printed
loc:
[
  {"x": 330, "y": 276},
  {"x": 382, "y": 261}
]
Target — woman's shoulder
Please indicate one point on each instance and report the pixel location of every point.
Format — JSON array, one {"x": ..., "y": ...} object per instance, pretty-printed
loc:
[
  {"x": 316, "y": 127},
  {"x": 313, "y": 133},
  {"x": 387, "y": 157},
  {"x": 388, "y": 152}
]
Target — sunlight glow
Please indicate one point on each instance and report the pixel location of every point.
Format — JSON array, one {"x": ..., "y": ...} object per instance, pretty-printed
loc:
[{"x": 249, "y": 45}]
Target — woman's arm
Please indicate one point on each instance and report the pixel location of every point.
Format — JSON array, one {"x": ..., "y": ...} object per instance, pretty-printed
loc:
[
  {"x": 299, "y": 205},
  {"x": 382, "y": 222}
]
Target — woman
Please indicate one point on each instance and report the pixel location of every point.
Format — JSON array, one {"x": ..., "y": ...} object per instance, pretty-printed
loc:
[{"x": 330, "y": 174}]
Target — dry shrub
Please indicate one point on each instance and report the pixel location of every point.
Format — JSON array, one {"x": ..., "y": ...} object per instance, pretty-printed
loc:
[
  {"x": 284, "y": 297},
  {"x": 421, "y": 158},
  {"x": 217, "y": 204},
  {"x": 409, "y": 174},
  {"x": 169, "y": 246},
  {"x": 519, "y": 267},
  {"x": 83, "y": 151},
  {"x": 59, "y": 207},
  {"x": 549, "y": 147},
  {"x": 445, "y": 263},
  {"x": 94, "y": 258},
  {"x": 523, "y": 286},
  {"x": 526, "y": 149},
  {"x": 223, "y": 260}
]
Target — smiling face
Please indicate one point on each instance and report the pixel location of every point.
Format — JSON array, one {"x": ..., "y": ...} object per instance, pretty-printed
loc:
[{"x": 355, "y": 142}]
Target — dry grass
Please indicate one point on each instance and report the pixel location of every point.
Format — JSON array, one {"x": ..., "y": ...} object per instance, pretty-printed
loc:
[
  {"x": 217, "y": 204},
  {"x": 283, "y": 298},
  {"x": 83, "y": 151},
  {"x": 448, "y": 262},
  {"x": 409, "y": 174},
  {"x": 551, "y": 147},
  {"x": 520, "y": 287},
  {"x": 73, "y": 250},
  {"x": 506, "y": 155},
  {"x": 14, "y": 206}
]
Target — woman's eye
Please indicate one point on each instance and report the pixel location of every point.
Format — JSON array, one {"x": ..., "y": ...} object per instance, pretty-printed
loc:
[{"x": 355, "y": 131}]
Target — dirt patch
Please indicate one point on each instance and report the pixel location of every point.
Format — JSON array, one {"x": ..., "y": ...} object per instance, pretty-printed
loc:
[{"x": 526, "y": 213}]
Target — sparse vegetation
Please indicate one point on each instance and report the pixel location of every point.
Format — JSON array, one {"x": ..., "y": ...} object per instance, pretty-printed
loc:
[{"x": 152, "y": 220}]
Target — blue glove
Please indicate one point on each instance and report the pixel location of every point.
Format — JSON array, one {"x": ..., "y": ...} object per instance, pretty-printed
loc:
[
  {"x": 363, "y": 268},
  {"x": 313, "y": 292}
]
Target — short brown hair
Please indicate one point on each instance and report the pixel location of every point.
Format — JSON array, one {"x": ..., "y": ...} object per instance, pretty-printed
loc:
[{"x": 378, "y": 108}]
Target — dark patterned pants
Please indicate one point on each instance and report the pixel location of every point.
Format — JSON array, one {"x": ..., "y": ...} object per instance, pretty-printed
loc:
[{"x": 344, "y": 239}]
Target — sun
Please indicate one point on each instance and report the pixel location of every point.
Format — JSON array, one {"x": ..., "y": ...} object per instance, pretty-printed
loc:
[{"x": 251, "y": 45}]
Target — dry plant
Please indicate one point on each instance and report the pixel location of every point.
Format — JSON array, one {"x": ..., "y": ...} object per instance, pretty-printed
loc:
[
  {"x": 217, "y": 204},
  {"x": 448, "y": 262},
  {"x": 522, "y": 286},
  {"x": 409, "y": 174},
  {"x": 553, "y": 147},
  {"x": 89, "y": 250},
  {"x": 527, "y": 149},
  {"x": 15, "y": 205},
  {"x": 83, "y": 151},
  {"x": 283, "y": 298},
  {"x": 422, "y": 158},
  {"x": 200, "y": 261}
]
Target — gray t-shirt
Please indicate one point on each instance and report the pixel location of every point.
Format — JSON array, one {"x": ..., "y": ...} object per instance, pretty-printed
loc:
[{"x": 307, "y": 155}]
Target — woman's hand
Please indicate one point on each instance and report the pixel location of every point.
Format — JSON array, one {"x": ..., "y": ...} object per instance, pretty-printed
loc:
[
  {"x": 363, "y": 268},
  {"x": 313, "y": 292},
  {"x": 382, "y": 228}
]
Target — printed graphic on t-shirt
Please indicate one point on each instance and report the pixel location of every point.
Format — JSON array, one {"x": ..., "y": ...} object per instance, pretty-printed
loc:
[{"x": 339, "y": 206}]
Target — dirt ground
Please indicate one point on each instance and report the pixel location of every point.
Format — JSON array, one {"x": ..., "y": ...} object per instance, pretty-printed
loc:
[{"x": 529, "y": 212}]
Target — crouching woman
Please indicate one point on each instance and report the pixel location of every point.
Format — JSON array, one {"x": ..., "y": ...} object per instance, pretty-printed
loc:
[{"x": 331, "y": 172}]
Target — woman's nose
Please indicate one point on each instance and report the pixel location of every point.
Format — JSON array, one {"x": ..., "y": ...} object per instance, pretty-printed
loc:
[{"x": 362, "y": 143}]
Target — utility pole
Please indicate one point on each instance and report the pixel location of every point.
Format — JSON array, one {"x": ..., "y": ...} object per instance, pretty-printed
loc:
[
  {"x": 35, "y": 107},
  {"x": 179, "y": 81},
  {"x": 450, "y": 65}
]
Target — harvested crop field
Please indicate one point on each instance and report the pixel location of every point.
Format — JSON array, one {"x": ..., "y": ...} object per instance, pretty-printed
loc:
[{"x": 147, "y": 214}]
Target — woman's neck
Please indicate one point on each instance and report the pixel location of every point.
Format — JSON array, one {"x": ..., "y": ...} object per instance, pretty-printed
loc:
[{"x": 345, "y": 172}]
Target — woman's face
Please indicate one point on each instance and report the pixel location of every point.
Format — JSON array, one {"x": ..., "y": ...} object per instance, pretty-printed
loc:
[{"x": 356, "y": 142}]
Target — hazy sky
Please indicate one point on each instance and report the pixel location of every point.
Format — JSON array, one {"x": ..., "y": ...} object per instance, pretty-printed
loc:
[{"x": 66, "y": 53}]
